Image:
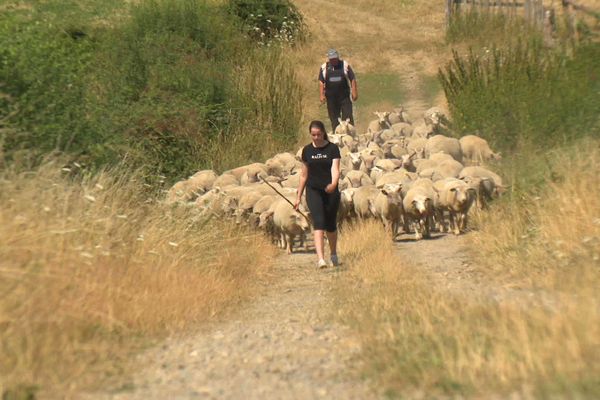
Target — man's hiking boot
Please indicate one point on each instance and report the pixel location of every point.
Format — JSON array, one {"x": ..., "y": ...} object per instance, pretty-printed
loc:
[{"x": 321, "y": 264}]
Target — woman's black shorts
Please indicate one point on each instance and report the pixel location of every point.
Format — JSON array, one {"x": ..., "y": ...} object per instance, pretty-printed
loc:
[{"x": 323, "y": 208}]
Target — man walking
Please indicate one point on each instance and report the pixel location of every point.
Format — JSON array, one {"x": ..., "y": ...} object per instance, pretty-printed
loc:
[{"x": 336, "y": 84}]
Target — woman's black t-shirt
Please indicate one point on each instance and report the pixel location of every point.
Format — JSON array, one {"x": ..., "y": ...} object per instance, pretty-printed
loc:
[{"x": 319, "y": 161}]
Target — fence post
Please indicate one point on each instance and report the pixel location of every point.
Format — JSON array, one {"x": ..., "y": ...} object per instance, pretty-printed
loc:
[
  {"x": 449, "y": 4},
  {"x": 569, "y": 11}
]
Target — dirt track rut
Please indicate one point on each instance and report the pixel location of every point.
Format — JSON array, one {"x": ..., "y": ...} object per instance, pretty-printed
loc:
[{"x": 282, "y": 346}]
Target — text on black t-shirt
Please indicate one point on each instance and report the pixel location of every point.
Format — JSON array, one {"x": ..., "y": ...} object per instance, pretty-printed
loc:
[{"x": 319, "y": 161}]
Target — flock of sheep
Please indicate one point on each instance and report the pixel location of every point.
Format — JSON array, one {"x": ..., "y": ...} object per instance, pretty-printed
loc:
[{"x": 408, "y": 175}]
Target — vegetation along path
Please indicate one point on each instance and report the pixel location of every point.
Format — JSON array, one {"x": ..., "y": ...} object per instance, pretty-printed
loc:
[{"x": 282, "y": 346}]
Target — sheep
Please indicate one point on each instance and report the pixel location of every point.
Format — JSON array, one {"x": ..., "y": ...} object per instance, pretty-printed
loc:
[
  {"x": 443, "y": 144},
  {"x": 226, "y": 179},
  {"x": 263, "y": 204},
  {"x": 403, "y": 129},
  {"x": 398, "y": 115},
  {"x": 362, "y": 198},
  {"x": 423, "y": 164},
  {"x": 237, "y": 172},
  {"x": 388, "y": 165},
  {"x": 476, "y": 150},
  {"x": 417, "y": 144},
  {"x": 387, "y": 206},
  {"x": 292, "y": 181},
  {"x": 485, "y": 189},
  {"x": 395, "y": 177},
  {"x": 434, "y": 117},
  {"x": 346, "y": 211},
  {"x": 289, "y": 223},
  {"x": 418, "y": 209},
  {"x": 345, "y": 127},
  {"x": 189, "y": 189},
  {"x": 456, "y": 197},
  {"x": 382, "y": 122},
  {"x": 246, "y": 204},
  {"x": 354, "y": 161},
  {"x": 376, "y": 173},
  {"x": 481, "y": 172},
  {"x": 440, "y": 157},
  {"x": 209, "y": 202},
  {"x": 356, "y": 179},
  {"x": 281, "y": 164},
  {"x": 253, "y": 173},
  {"x": 385, "y": 135},
  {"x": 368, "y": 161},
  {"x": 422, "y": 130}
]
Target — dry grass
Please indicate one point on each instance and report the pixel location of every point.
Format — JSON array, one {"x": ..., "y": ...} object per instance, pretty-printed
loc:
[
  {"x": 550, "y": 240},
  {"x": 405, "y": 38},
  {"x": 421, "y": 340},
  {"x": 90, "y": 271}
]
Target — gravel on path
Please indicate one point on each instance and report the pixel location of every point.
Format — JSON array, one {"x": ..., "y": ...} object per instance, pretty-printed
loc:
[{"x": 280, "y": 346}]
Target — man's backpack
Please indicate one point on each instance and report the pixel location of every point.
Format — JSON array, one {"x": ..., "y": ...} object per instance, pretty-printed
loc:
[{"x": 326, "y": 64}]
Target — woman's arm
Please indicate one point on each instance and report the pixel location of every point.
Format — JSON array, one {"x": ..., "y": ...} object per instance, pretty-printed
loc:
[
  {"x": 302, "y": 184},
  {"x": 335, "y": 176}
]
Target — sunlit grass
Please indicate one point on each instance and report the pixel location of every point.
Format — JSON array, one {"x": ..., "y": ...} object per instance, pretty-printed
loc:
[
  {"x": 92, "y": 270},
  {"x": 420, "y": 338}
]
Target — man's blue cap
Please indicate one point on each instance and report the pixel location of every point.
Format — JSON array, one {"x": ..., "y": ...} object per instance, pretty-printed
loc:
[{"x": 332, "y": 53}]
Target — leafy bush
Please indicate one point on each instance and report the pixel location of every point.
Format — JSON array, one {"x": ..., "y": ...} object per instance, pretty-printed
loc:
[
  {"x": 524, "y": 93},
  {"x": 168, "y": 88},
  {"x": 267, "y": 21}
]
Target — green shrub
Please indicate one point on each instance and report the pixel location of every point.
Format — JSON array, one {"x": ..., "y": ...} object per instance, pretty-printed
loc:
[
  {"x": 169, "y": 86},
  {"x": 524, "y": 94},
  {"x": 267, "y": 21}
]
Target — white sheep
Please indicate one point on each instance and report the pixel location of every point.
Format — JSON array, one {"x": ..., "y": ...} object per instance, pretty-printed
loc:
[
  {"x": 456, "y": 197},
  {"x": 477, "y": 150}
]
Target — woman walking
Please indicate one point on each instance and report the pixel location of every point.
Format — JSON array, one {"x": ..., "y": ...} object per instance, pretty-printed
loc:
[{"x": 320, "y": 175}]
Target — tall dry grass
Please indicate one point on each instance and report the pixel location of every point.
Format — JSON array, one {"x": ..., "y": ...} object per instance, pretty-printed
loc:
[
  {"x": 92, "y": 269},
  {"x": 549, "y": 239},
  {"x": 421, "y": 340}
]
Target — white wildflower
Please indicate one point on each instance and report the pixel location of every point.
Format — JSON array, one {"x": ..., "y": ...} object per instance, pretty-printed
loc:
[
  {"x": 173, "y": 244},
  {"x": 99, "y": 186},
  {"x": 122, "y": 216},
  {"x": 77, "y": 164},
  {"x": 85, "y": 254},
  {"x": 65, "y": 169},
  {"x": 46, "y": 209},
  {"x": 89, "y": 197}
]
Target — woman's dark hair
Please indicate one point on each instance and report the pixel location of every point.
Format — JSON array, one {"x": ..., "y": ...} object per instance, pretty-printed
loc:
[{"x": 320, "y": 125}]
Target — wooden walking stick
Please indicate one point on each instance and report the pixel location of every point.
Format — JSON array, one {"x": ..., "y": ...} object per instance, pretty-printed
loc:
[{"x": 285, "y": 198}]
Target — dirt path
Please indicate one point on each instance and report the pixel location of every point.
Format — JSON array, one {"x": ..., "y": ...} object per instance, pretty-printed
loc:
[{"x": 282, "y": 346}]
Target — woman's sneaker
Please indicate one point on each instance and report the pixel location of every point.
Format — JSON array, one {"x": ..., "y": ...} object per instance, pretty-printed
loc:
[
  {"x": 334, "y": 260},
  {"x": 321, "y": 264}
]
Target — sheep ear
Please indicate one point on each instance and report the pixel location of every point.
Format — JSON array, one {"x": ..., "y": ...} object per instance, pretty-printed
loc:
[
  {"x": 384, "y": 191},
  {"x": 339, "y": 120},
  {"x": 348, "y": 120},
  {"x": 453, "y": 189}
]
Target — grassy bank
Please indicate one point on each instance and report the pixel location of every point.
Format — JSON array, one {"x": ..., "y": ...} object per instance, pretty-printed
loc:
[
  {"x": 419, "y": 338},
  {"x": 93, "y": 270},
  {"x": 167, "y": 85}
]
